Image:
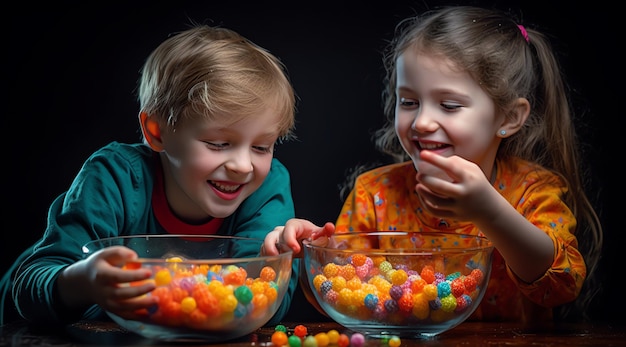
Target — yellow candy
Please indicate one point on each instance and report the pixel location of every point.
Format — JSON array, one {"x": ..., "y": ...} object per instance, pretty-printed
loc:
[
  {"x": 163, "y": 278},
  {"x": 322, "y": 339},
  {"x": 394, "y": 341},
  {"x": 345, "y": 297},
  {"x": 333, "y": 336},
  {"x": 228, "y": 303},
  {"x": 398, "y": 277},
  {"x": 331, "y": 270},
  {"x": 421, "y": 309},
  {"x": 430, "y": 291},
  {"x": 318, "y": 280},
  {"x": 188, "y": 304},
  {"x": 338, "y": 283},
  {"x": 354, "y": 283}
]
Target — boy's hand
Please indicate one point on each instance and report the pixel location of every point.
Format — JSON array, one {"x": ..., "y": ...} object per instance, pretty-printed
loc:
[
  {"x": 100, "y": 279},
  {"x": 293, "y": 233}
]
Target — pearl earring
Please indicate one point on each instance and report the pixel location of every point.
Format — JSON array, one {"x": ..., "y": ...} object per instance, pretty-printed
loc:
[{"x": 502, "y": 132}]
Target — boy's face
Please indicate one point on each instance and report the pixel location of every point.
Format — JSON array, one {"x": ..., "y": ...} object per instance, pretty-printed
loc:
[
  {"x": 211, "y": 167},
  {"x": 443, "y": 109}
]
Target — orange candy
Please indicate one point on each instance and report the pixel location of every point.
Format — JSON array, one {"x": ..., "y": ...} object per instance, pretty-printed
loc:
[
  {"x": 279, "y": 338},
  {"x": 132, "y": 265},
  {"x": 268, "y": 274},
  {"x": 358, "y": 259},
  {"x": 236, "y": 278}
]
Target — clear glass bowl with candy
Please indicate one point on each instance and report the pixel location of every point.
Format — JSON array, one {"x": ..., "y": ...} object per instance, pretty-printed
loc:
[
  {"x": 393, "y": 283},
  {"x": 209, "y": 288}
]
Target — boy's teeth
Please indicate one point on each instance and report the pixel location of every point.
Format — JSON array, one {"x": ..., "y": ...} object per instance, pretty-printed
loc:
[{"x": 225, "y": 188}]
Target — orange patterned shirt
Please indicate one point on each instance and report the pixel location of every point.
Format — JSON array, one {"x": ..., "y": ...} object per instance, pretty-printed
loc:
[{"x": 385, "y": 199}]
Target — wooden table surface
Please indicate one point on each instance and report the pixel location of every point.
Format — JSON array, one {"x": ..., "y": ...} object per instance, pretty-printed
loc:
[{"x": 468, "y": 334}]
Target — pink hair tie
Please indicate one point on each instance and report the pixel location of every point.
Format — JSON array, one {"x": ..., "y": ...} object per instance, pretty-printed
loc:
[{"x": 524, "y": 32}]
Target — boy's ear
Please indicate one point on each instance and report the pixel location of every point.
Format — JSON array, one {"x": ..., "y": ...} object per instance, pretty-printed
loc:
[
  {"x": 515, "y": 118},
  {"x": 151, "y": 131}
]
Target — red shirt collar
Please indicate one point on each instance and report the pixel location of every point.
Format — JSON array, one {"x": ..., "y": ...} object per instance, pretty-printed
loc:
[{"x": 167, "y": 219}]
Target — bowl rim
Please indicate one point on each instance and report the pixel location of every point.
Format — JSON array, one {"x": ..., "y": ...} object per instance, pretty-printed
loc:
[
  {"x": 488, "y": 246},
  {"x": 287, "y": 251}
]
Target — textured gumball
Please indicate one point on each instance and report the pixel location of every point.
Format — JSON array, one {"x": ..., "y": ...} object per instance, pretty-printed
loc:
[
  {"x": 331, "y": 270},
  {"x": 371, "y": 301},
  {"x": 391, "y": 306},
  {"x": 358, "y": 259},
  {"x": 398, "y": 277},
  {"x": 318, "y": 280},
  {"x": 325, "y": 287},
  {"x": 385, "y": 267},
  {"x": 300, "y": 331},
  {"x": 457, "y": 287},
  {"x": 268, "y": 274},
  {"x": 443, "y": 289},
  {"x": 280, "y": 327},
  {"x": 448, "y": 303},
  {"x": 405, "y": 303},
  {"x": 395, "y": 292},
  {"x": 428, "y": 274}
]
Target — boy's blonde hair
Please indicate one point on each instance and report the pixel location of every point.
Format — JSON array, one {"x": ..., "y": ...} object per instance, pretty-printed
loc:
[{"x": 212, "y": 72}]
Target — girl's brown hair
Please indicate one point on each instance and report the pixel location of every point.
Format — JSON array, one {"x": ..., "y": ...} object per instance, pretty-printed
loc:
[{"x": 508, "y": 63}]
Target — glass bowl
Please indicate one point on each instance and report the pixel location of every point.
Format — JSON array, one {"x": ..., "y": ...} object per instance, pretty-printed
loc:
[
  {"x": 406, "y": 284},
  {"x": 210, "y": 288}
]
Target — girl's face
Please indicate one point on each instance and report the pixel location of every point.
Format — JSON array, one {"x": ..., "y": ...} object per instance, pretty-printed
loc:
[
  {"x": 211, "y": 167},
  {"x": 444, "y": 110}
]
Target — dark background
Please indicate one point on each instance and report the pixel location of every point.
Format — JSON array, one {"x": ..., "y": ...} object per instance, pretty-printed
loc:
[{"x": 70, "y": 73}]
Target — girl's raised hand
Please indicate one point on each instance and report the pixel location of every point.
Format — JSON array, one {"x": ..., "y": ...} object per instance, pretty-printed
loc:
[{"x": 453, "y": 187}]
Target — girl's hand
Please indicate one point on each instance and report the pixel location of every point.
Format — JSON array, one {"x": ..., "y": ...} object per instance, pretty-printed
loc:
[
  {"x": 453, "y": 187},
  {"x": 100, "y": 279},
  {"x": 293, "y": 233}
]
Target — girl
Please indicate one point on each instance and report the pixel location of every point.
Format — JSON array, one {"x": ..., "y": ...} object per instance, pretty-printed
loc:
[{"x": 480, "y": 126}]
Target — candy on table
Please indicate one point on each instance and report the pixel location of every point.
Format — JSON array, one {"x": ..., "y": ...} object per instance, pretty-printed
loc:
[
  {"x": 344, "y": 340},
  {"x": 311, "y": 341},
  {"x": 394, "y": 341},
  {"x": 294, "y": 341},
  {"x": 300, "y": 331},
  {"x": 279, "y": 338},
  {"x": 299, "y": 338},
  {"x": 357, "y": 340}
]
